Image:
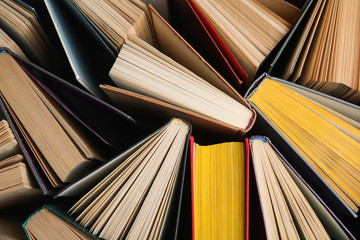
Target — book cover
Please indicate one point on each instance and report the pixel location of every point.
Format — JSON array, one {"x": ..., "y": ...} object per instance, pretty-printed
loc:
[{"x": 195, "y": 28}]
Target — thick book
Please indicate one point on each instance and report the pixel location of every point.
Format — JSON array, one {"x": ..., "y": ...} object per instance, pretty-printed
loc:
[
  {"x": 147, "y": 76},
  {"x": 220, "y": 190},
  {"x": 150, "y": 172},
  {"x": 6, "y": 41},
  {"x": 231, "y": 47},
  {"x": 18, "y": 186},
  {"x": 318, "y": 130},
  {"x": 282, "y": 203},
  {"x": 194, "y": 27},
  {"x": 173, "y": 45},
  {"x": 92, "y": 43},
  {"x": 52, "y": 221},
  {"x": 324, "y": 55},
  {"x": 75, "y": 114},
  {"x": 21, "y": 23},
  {"x": 39, "y": 175}
]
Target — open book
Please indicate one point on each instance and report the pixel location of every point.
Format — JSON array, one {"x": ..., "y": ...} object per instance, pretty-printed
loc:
[
  {"x": 17, "y": 183},
  {"x": 234, "y": 36},
  {"x": 21, "y": 24},
  {"x": 59, "y": 123},
  {"x": 290, "y": 209},
  {"x": 43, "y": 123},
  {"x": 146, "y": 73},
  {"x": 52, "y": 221},
  {"x": 143, "y": 185},
  {"x": 91, "y": 39},
  {"x": 322, "y": 131},
  {"x": 325, "y": 55}
]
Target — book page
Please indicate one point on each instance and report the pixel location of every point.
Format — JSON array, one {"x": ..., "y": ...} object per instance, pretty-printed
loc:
[
  {"x": 327, "y": 149},
  {"x": 219, "y": 191},
  {"x": 142, "y": 72}
]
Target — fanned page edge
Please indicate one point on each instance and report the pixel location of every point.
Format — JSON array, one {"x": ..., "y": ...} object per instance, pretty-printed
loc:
[
  {"x": 116, "y": 94},
  {"x": 298, "y": 177},
  {"x": 230, "y": 58},
  {"x": 155, "y": 14},
  {"x": 92, "y": 178},
  {"x": 318, "y": 200},
  {"x": 337, "y": 206}
]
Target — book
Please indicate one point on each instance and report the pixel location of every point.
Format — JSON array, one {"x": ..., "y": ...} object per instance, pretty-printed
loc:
[
  {"x": 89, "y": 57},
  {"x": 6, "y": 41},
  {"x": 26, "y": 153},
  {"x": 294, "y": 51},
  {"x": 51, "y": 221},
  {"x": 237, "y": 31},
  {"x": 18, "y": 185},
  {"x": 289, "y": 207},
  {"x": 142, "y": 107},
  {"x": 56, "y": 119},
  {"x": 87, "y": 35},
  {"x": 193, "y": 26},
  {"x": 22, "y": 25},
  {"x": 147, "y": 73},
  {"x": 219, "y": 188},
  {"x": 8, "y": 144},
  {"x": 147, "y": 178},
  {"x": 116, "y": 20},
  {"x": 325, "y": 58},
  {"x": 12, "y": 218},
  {"x": 320, "y": 130}
]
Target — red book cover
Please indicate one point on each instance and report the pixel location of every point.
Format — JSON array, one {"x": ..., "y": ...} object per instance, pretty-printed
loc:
[{"x": 197, "y": 30}]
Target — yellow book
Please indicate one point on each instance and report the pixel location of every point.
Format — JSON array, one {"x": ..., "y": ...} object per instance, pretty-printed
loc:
[
  {"x": 327, "y": 139},
  {"x": 219, "y": 191}
]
